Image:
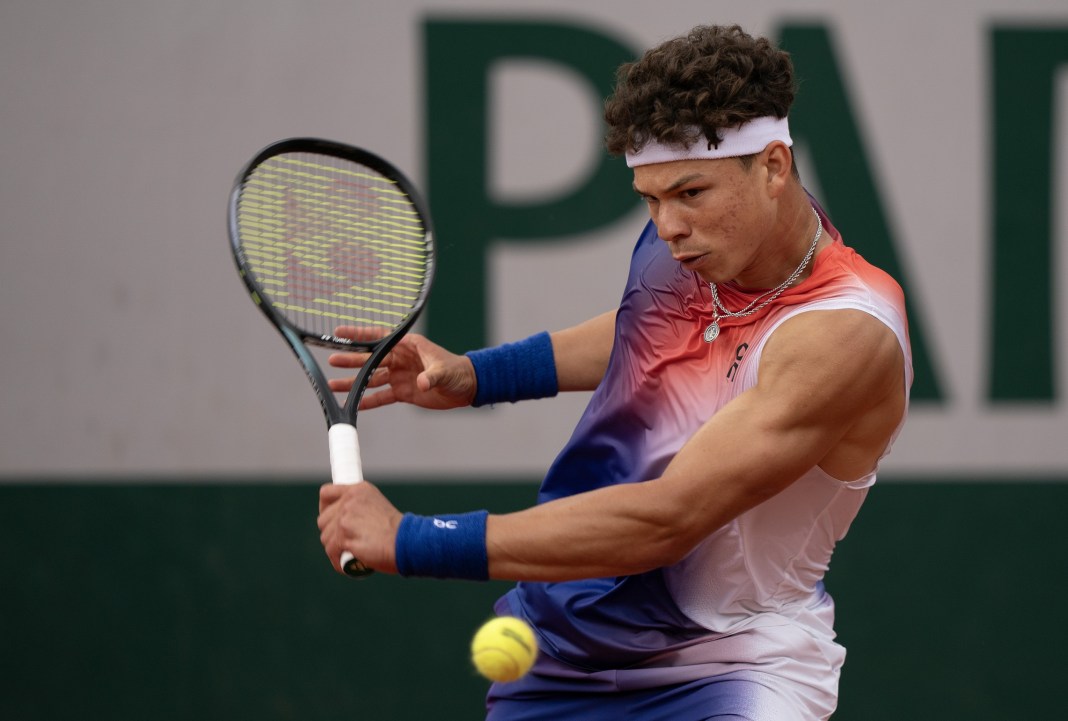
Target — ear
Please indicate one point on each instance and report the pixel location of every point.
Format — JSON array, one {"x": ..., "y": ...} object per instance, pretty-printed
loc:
[{"x": 779, "y": 162}]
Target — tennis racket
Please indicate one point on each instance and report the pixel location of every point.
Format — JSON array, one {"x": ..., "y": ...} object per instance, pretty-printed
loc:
[{"x": 327, "y": 236}]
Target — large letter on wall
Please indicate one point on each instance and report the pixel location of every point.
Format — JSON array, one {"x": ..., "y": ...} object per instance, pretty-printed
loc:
[
  {"x": 822, "y": 117},
  {"x": 1025, "y": 63},
  {"x": 459, "y": 57}
]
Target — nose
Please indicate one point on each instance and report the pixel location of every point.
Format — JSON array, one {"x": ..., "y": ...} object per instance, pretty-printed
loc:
[{"x": 671, "y": 224}]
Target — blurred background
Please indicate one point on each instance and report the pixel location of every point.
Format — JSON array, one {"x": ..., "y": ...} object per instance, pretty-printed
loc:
[{"x": 160, "y": 451}]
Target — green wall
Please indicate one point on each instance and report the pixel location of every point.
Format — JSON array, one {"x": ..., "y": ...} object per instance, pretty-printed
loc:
[{"x": 209, "y": 601}]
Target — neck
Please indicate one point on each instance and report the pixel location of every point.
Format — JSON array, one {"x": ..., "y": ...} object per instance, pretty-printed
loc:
[
  {"x": 769, "y": 295},
  {"x": 794, "y": 235}
]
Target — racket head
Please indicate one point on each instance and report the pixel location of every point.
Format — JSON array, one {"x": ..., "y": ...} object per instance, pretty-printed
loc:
[{"x": 327, "y": 235}]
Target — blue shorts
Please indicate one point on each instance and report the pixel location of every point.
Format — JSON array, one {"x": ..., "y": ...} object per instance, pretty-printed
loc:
[{"x": 739, "y": 696}]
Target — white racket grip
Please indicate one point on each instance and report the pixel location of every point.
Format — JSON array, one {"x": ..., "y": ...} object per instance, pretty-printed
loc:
[{"x": 345, "y": 466}]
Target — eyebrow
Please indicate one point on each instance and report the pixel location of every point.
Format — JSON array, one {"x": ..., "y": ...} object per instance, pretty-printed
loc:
[{"x": 674, "y": 186}]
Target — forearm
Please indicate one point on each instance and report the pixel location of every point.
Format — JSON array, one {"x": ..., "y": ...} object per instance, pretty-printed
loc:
[
  {"x": 611, "y": 531},
  {"x": 635, "y": 527},
  {"x": 621, "y": 529}
]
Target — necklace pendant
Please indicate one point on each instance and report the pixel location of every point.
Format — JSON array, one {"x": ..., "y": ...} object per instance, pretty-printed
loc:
[{"x": 711, "y": 332}]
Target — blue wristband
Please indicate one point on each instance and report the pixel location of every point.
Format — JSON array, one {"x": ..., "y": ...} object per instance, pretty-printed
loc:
[
  {"x": 443, "y": 546},
  {"x": 515, "y": 371}
]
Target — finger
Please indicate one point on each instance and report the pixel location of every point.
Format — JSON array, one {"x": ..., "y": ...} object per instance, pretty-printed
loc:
[
  {"x": 328, "y": 547},
  {"x": 348, "y": 359},
  {"x": 327, "y": 533},
  {"x": 341, "y": 385},
  {"x": 438, "y": 377},
  {"x": 329, "y": 493},
  {"x": 379, "y": 378},
  {"x": 427, "y": 380},
  {"x": 377, "y": 400}
]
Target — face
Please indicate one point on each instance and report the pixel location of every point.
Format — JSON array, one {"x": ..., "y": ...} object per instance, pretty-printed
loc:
[{"x": 715, "y": 216}]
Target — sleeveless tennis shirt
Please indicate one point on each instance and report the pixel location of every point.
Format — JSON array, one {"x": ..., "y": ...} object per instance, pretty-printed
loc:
[{"x": 750, "y": 596}]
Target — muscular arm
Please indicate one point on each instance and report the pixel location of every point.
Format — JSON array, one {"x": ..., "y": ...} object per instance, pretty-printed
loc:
[{"x": 830, "y": 392}]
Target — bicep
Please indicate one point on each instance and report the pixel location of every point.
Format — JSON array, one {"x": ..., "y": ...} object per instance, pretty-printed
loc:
[
  {"x": 582, "y": 351},
  {"x": 821, "y": 375}
]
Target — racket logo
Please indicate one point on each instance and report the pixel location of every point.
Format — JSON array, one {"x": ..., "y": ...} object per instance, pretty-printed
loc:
[
  {"x": 308, "y": 284},
  {"x": 360, "y": 265}
]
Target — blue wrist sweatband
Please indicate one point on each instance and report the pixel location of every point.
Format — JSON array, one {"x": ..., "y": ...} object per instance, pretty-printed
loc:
[
  {"x": 515, "y": 371},
  {"x": 443, "y": 546}
]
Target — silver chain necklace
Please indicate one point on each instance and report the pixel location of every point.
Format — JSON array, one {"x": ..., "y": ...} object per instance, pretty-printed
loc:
[{"x": 720, "y": 311}]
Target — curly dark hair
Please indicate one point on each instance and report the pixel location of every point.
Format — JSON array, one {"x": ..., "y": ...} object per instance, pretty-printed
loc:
[{"x": 712, "y": 78}]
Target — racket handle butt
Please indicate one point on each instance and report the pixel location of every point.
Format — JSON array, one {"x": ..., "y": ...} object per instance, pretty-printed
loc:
[{"x": 353, "y": 568}]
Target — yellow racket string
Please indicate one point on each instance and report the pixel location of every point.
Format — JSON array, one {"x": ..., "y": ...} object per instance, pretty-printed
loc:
[{"x": 332, "y": 243}]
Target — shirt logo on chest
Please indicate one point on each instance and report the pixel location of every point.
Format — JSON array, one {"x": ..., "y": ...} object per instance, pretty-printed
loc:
[{"x": 739, "y": 353}]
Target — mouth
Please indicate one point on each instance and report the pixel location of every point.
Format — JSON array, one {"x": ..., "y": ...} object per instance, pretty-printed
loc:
[{"x": 689, "y": 262}]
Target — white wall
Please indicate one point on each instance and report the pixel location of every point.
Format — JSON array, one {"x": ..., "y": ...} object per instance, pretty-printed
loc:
[{"x": 130, "y": 348}]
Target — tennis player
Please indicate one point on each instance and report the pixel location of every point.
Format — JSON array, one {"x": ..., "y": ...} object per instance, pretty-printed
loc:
[{"x": 753, "y": 376}]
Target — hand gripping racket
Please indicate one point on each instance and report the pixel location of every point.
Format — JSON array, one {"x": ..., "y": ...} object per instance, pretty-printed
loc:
[{"x": 326, "y": 236}]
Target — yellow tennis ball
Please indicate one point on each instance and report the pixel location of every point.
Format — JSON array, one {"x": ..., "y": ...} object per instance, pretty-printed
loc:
[{"x": 504, "y": 649}]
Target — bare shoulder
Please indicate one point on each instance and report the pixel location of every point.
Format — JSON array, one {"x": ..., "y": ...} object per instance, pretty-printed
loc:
[
  {"x": 824, "y": 344},
  {"x": 843, "y": 370}
]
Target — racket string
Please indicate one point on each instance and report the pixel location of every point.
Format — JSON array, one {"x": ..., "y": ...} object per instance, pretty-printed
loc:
[{"x": 333, "y": 243}]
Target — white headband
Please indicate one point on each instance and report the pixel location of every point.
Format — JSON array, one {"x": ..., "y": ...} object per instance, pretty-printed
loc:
[{"x": 747, "y": 139}]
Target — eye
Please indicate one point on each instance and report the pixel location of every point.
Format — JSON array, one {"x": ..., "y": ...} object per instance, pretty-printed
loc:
[{"x": 692, "y": 192}]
